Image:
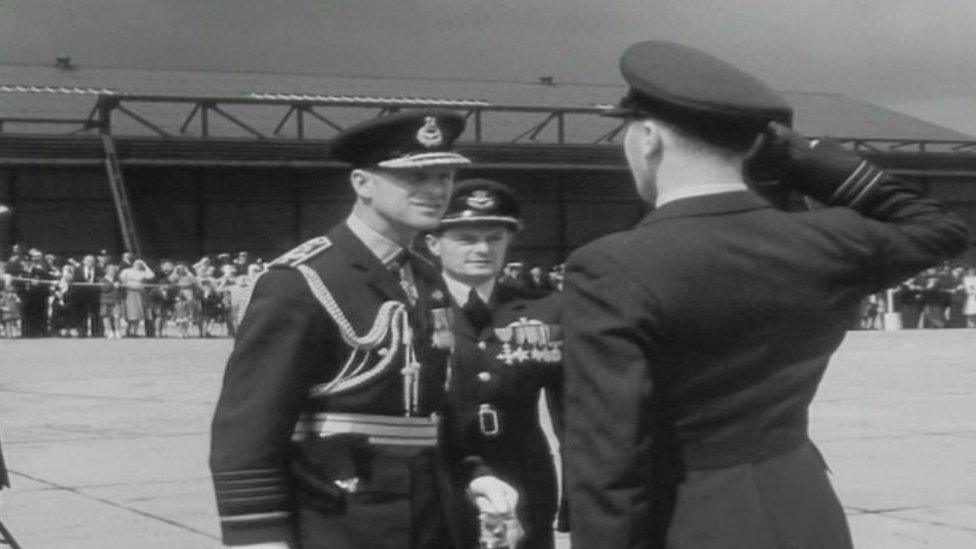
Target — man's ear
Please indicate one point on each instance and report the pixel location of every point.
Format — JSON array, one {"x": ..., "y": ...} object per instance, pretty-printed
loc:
[
  {"x": 650, "y": 138},
  {"x": 362, "y": 183},
  {"x": 433, "y": 242}
]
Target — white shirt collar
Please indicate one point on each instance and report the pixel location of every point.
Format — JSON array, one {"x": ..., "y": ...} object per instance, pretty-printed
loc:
[
  {"x": 460, "y": 291},
  {"x": 698, "y": 190},
  {"x": 382, "y": 247}
]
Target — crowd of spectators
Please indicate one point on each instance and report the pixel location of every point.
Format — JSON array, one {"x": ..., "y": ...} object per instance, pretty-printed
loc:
[
  {"x": 941, "y": 297},
  {"x": 100, "y": 295}
]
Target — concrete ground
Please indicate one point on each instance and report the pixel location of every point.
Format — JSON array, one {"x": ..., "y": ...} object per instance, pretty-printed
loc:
[{"x": 107, "y": 440}]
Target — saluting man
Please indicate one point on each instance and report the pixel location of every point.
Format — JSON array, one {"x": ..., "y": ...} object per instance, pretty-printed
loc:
[
  {"x": 507, "y": 352},
  {"x": 325, "y": 434},
  {"x": 695, "y": 341}
]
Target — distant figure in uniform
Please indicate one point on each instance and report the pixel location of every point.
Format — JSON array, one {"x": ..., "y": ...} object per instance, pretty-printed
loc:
[
  {"x": 696, "y": 340},
  {"x": 326, "y": 431},
  {"x": 507, "y": 352}
]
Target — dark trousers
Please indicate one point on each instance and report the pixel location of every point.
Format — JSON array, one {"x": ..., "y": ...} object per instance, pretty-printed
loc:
[
  {"x": 35, "y": 314},
  {"x": 89, "y": 319}
]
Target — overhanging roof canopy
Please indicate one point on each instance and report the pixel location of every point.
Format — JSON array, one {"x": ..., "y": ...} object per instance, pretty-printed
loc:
[{"x": 234, "y": 116}]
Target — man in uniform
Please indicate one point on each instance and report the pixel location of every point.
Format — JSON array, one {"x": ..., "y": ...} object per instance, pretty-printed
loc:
[
  {"x": 507, "y": 352},
  {"x": 325, "y": 434},
  {"x": 696, "y": 340}
]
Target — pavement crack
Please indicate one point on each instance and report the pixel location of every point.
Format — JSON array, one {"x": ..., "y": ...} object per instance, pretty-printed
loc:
[
  {"x": 887, "y": 513},
  {"x": 105, "y": 397},
  {"x": 56, "y": 486}
]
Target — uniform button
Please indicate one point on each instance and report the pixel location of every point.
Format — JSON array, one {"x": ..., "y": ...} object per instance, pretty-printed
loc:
[
  {"x": 482, "y": 345},
  {"x": 484, "y": 376}
]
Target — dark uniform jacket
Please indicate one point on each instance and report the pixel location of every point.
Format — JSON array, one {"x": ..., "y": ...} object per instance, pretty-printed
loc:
[
  {"x": 492, "y": 419},
  {"x": 271, "y": 488},
  {"x": 694, "y": 345}
]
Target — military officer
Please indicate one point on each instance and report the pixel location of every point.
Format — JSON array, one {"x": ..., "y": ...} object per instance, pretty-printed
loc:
[
  {"x": 696, "y": 340},
  {"x": 325, "y": 433},
  {"x": 507, "y": 352}
]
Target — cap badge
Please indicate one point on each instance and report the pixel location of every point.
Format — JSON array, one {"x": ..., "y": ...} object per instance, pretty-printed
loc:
[
  {"x": 481, "y": 200},
  {"x": 430, "y": 135}
]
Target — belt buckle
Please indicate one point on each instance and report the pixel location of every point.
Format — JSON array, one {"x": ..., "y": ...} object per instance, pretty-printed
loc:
[{"x": 488, "y": 420}]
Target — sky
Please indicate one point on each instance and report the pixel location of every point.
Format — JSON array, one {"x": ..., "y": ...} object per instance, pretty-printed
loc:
[{"x": 912, "y": 56}]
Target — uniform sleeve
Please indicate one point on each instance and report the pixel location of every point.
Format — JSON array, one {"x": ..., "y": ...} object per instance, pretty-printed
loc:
[
  {"x": 912, "y": 232},
  {"x": 265, "y": 384},
  {"x": 609, "y": 403}
]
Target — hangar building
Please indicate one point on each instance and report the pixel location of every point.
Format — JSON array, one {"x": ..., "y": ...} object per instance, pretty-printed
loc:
[{"x": 181, "y": 164}]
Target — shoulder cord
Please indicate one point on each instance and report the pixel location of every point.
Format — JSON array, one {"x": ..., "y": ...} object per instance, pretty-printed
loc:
[{"x": 391, "y": 317}]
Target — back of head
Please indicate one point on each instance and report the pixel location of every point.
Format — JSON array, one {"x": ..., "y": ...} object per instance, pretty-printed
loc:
[{"x": 706, "y": 101}]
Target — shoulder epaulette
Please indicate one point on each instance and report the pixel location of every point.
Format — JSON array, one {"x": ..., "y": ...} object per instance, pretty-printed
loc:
[{"x": 302, "y": 253}]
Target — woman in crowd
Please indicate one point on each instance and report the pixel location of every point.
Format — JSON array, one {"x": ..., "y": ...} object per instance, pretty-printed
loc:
[
  {"x": 9, "y": 305},
  {"x": 187, "y": 308},
  {"x": 134, "y": 281},
  {"x": 110, "y": 300},
  {"x": 213, "y": 306},
  {"x": 63, "y": 304},
  {"x": 225, "y": 289},
  {"x": 204, "y": 268}
]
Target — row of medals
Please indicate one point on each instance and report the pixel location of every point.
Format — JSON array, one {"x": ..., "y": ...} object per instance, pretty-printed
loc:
[{"x": 530, "y": 340}]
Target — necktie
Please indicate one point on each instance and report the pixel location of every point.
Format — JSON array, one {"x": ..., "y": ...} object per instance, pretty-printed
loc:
[{"x": 478, "y": 313}]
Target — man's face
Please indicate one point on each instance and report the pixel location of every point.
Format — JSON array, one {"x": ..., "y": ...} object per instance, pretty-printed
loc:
[
  {"x": 471, "y": 254},
  {"x": 407, "y": 200},
  {"x": 88, "y": 261},
  {"x": 166, "y": 267},
  {"x": 642, "y": 168}
]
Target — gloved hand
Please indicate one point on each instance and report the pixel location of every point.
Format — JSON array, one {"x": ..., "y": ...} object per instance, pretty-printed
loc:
[
  {"x": 491, "y": 495},
  {"x": 822, "y": 168},
  {"x": 496, "y": 502}
]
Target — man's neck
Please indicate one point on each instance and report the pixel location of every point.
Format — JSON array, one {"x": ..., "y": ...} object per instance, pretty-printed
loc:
[
  {"x": 677, "y": 173},
  {"x": 401, "y": 235}
]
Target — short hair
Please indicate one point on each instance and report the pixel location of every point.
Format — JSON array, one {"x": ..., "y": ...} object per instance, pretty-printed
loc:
[{"x": 724, "y": 134}]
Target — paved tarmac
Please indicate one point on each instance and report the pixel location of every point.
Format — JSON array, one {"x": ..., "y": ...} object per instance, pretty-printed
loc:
[{"x": 108, "y": 440}]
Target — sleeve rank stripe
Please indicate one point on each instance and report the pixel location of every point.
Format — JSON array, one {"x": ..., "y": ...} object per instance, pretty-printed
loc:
[
  {"x": 850, "y": 184},
  {"x": 264, "y": 473},
  {"x": 257, "y": 517},
  {"x": 866, "y": 190}
]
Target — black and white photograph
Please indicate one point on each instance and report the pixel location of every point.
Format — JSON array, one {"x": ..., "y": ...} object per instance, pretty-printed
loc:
[{"x": 487, "y": 274}]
